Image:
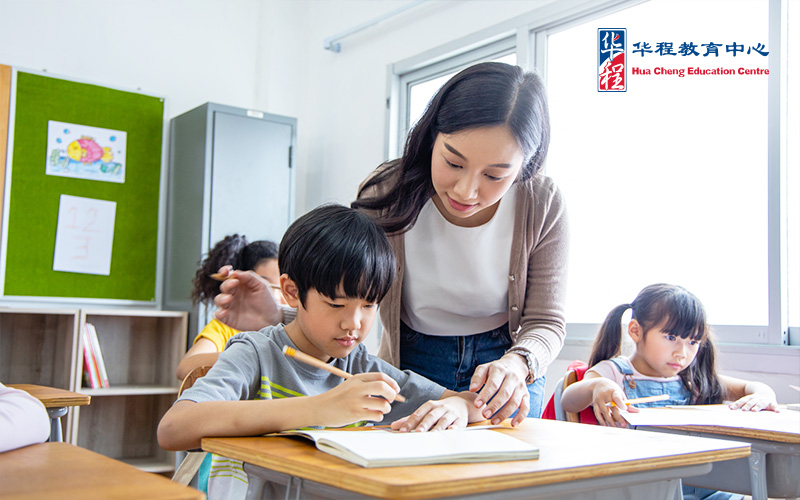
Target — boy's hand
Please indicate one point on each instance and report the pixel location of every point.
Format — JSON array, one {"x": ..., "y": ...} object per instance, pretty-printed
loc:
[
  {"x": 755, "y": 402},
  {"x": 366, "y": 396},
  {"x": 605, "y": 391},
  {"x": 436, "y": 415}
]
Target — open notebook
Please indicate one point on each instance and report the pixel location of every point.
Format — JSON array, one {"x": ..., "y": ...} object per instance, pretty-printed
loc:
[
  {"x": 715, "y": 416},
  {"x": 380, "y": 448}
]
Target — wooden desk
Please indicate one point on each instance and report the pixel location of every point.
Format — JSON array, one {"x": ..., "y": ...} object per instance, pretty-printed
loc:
[
  {"x": 576, "y": 461},
  {"x": 65, "y": 471},
  {"x": 772, "y": 468},
  {"x": 56, "y": 401}
]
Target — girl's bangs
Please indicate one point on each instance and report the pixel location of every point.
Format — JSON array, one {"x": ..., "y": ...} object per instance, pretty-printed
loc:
[{"x": 684, "y": 318}]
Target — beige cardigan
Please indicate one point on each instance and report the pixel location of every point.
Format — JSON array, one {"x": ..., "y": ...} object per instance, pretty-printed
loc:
[{"x": 537, "y": 275}]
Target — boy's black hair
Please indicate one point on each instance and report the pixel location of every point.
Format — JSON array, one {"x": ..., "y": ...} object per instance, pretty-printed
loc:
[{"x": 335, "y": 249}]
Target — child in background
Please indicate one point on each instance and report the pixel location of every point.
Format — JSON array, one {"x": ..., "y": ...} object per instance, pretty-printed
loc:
[
  {"x": 674, "y": 354},
  {"x": 23, "y": 419},
  {"x": 260, "y": 257},
  {"x": 337, "y": 265}
]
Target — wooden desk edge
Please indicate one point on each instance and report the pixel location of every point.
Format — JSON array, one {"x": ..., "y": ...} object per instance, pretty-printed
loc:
[
  {"x": 741, "y": 432},
  {"x": 63, "y": 470},
  {"x": 53, "y": 397},
  {"x": 461, "y": 486}
]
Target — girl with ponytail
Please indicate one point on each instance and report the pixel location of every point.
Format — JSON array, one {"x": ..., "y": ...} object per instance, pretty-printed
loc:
[
  {"x": 674, "y": 355},
  {"x": 260, "y": 257}
]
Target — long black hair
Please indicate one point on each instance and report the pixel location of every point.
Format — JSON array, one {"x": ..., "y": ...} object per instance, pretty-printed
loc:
[
  {"x": 233, "y": 250},
  {"x": 486, "y": 94},
  {"x": 684, "y": 316}
]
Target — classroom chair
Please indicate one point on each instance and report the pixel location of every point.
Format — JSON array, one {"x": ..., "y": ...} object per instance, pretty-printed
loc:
[
  {"x": 186, "y": 472},
  {"x": 554, "y": 411}
]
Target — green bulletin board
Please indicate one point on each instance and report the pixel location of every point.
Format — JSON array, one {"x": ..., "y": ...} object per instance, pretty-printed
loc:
[{"x": 34, "y": 196}]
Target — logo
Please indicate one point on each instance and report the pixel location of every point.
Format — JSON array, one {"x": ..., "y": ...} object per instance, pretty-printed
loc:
[{"x": 612, "y": 65}]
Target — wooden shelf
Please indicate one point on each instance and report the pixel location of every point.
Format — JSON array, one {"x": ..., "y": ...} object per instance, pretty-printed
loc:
[
  {"x": 141, "y": 349},
  {"x": 38, "y": 347},
  {"x": 124, "y": 427}
]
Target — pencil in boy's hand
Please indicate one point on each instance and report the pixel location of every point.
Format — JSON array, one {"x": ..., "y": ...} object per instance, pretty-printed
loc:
[
  {"x": 310, "y": 360},
  {"x": 647, "y": 399},
  {"x": 220, "y": 277}
]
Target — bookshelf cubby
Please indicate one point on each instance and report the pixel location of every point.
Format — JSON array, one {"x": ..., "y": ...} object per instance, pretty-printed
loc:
[
  {"x": 39, "y": 346},
  {"x": 141, "y": 349}
]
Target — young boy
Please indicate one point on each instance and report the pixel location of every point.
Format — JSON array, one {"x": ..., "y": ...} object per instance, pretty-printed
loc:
[{"x": 336, "y": 266}]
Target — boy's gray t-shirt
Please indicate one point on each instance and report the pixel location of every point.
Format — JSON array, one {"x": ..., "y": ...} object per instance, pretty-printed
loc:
[{"x": 253, "y": 366}]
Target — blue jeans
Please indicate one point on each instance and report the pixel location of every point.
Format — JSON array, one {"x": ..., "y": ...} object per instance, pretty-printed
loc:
[{"x": 451, "y": 360}]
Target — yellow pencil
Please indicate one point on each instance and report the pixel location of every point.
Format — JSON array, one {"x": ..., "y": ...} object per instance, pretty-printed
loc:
[
  {"x": 219, "y": 277},
  {"x": 647, "y": 399},
  {"x": 310, "y": 360}
]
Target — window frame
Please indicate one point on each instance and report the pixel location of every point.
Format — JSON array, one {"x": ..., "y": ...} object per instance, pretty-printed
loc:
[
  {"x": 408, "y": 75},
  {"x": 528, "y": 35}
]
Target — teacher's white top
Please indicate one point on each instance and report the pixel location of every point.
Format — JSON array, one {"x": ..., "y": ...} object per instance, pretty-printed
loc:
[{"x": 459, "y": 285}]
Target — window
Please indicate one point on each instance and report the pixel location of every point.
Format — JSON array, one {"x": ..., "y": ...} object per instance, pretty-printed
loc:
[
  {"x": 674, "y": 179},
  {"x": 792, "y": 139},
  {"x": 669, "y": 183},
  {"x": 420, "y": 93},
  {"x": 418, "y": 82}
]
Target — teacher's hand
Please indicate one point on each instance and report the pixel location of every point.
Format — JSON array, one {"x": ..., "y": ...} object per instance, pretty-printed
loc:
[
  {"x": 502, "y": 389},
  {"x": 245, "y": 301}
]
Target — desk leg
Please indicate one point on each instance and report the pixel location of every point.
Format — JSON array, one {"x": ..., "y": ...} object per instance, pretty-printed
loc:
[
  {"x": 679, "y": 491},
  {"x": 255, "y": 487},
  {"x": 55, "y": 423},
  {"x": 758, "y": 474},
  {"x": 289, "y": 487},
  {"x": 296, "y": 482}
]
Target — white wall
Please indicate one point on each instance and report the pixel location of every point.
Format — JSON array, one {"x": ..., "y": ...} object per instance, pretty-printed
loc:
[{"x": 189, "y": 51}]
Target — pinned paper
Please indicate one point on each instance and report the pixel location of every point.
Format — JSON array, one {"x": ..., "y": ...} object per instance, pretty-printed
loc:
[{"x": 84, "y": 236}]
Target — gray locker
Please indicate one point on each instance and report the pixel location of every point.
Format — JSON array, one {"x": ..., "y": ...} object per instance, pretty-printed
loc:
[{"x": 231, "y": 170}]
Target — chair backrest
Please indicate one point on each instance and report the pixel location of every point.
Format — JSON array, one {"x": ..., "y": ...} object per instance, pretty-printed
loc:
[
  {"x": 187, "y": 464},
  {"x": 192, "y": 377},
  {"x": 554, "y": 410},
  {"x": 570, "y": 378},
  {"x": 554, "y": 405},
  {"x": 575, "y": 372}
]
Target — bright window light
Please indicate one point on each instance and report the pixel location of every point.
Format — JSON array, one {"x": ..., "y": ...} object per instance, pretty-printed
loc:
[{"x": 666, "y": 182}]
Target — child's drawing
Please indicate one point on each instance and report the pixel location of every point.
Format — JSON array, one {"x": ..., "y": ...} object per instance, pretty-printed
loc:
[{"x": 85, "y": 152}]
